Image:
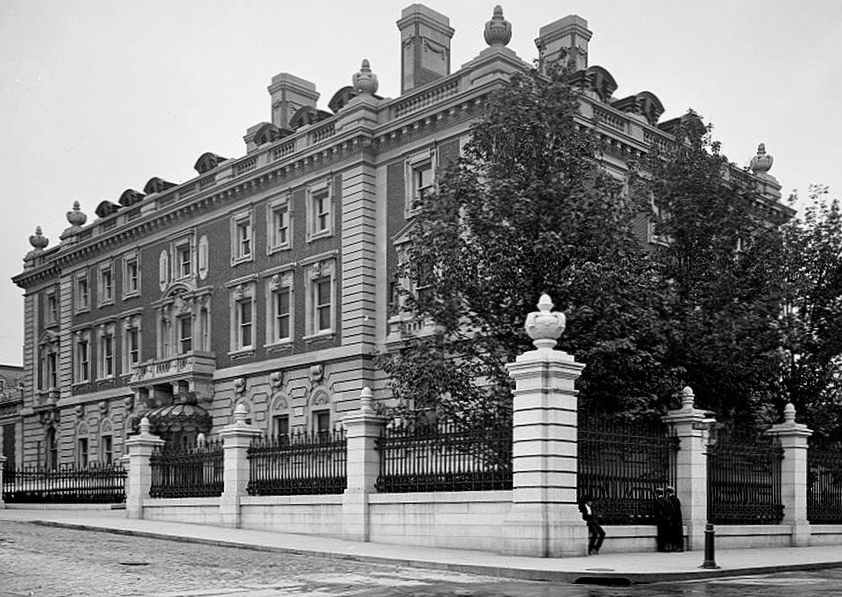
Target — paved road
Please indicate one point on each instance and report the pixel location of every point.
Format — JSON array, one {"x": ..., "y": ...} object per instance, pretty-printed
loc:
[{"x": 37, "y": 560}]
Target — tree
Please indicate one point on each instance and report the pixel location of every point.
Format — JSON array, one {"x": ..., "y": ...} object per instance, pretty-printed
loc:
[
  {"x": 720, "y": 259},
  {"x": 528, "y": 209},
  {"x": 812, "y": 316}
]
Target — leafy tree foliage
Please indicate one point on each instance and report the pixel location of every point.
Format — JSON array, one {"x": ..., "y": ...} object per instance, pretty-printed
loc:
[
  {"x": 719, "y": 260},
  {"x": 812, "y": 316},
  {"x": 528, "y": 209}
]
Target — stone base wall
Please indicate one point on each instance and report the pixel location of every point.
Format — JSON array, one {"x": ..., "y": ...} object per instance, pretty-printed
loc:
[
  {"x": 187, "y": 510},
  {"x": 463, "y": 520},
  {"x": 826, "y": 534},
  {"x": 304, "y": 514},
  {"x": 751, "y": 535}
]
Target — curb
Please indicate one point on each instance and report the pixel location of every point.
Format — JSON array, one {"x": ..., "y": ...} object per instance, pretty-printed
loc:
[{"x": 594, "y": 577}]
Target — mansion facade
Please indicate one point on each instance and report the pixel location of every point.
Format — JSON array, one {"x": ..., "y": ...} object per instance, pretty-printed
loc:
[{"x": 267, "y": 279}]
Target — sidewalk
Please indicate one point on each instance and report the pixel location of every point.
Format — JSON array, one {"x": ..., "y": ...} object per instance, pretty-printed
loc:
[{"x": 607, "y": 567}]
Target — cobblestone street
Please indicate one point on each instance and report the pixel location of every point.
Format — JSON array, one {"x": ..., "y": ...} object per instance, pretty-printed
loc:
[{"x": 39, "y": 560}]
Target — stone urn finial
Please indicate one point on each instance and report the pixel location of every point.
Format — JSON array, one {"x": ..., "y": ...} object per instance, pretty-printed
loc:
[
  {"x": 38, "y": 241},
  {"x": 789, "y": 413},
  {"x": 762, "y": 162},
  {"x": 365, "y": 81},
  {"x": 144, "y": 426},
  {"x": 240, "y": 414},
  {"x": 545, "y": 326},
  {"x": 76, "y": 217},
  {"x": 365, "y": 400},
  {"x": 687, "y": 398},
  {"x": 498, "y": 31}
]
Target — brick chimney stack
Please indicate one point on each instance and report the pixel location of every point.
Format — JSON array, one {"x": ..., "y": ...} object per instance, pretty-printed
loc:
[
  {"x": 425, "y": 46},
  {"x": 571, "y": 35},
  {"x": 289, "y": 93}
]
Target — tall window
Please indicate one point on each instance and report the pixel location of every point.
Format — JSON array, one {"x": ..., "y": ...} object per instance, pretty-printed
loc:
[
  {"x": 106, "y": 285},
  {"x": 106, "y": 449},
  {"x": 131, "y": 275},
  {"x": 132, "y": 349},
  {"x": 321, "y": 422},
  {"x": 322, "y": 303},
  {"x": 106, "y": 354},
  {"x": 82, "y": 452},
  {"x": 279, "y": 237},
  {"x": 420, "y": 179},
  {"x": 185, "y": 334},
  {"x": 82, "y": 296},
  {"x": 244, "y": 323},
  {"x": 204, "y": 328},
  {"x": 83, "y": 358},
  {"x": 319, "y": 211},
  {"x": 282, "y": 313},
  {"x": 52, "y": 307},
  {"x": 279, "y": 309},
  {"x": 52, "y": 369},
  {"x": 280, "y": 425},
  {"x": 184, "y": 260},
  {"x": 241, "y": 238},
  {"x": 51, "y": 455}
]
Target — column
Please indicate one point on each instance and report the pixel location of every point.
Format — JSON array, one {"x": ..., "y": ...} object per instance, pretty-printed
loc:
[
  {"x": 544, "y": 519},
  {"x": 793, "y": 437},
  {"x": 139, "y": 476},
  {"x": 362, "y": 428},
  {"x": 236, "y": 439},
  {"x": 692, "y": 427}
]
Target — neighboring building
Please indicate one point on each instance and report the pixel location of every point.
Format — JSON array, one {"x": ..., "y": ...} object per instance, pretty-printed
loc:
[
  {"x": 267, "y": 279},
  {"x": 11, "y": 402}
]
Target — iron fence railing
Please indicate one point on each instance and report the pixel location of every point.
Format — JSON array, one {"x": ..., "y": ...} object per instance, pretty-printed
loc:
[
  {"x": 194, "y": 472},
  {"x": 67, "y": 484},
  {"x": 445, "y": 456},
  {"x": 621, "y": 463},
  {"x": 824, "y": 486},
  {"x": 298, "y": 464},
  {"x": 744, "y": 480}
]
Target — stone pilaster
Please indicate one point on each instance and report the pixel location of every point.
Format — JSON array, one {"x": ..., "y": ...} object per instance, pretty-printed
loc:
[
  {"x": 236, "y": 439},
  {"x": 793, "y": 437},
  {"x": 139, "y": 477},
  {"x": 362, "y": 428},
  {"x": 544, "y": 519},
  {"x": 691, "y": 426}
]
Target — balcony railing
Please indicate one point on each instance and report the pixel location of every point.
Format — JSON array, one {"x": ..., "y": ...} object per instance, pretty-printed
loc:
[{"x": 191, "y": 364}]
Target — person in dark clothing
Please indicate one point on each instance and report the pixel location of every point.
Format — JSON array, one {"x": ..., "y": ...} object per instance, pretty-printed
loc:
[
  {"x": 663, "y": 519},
  {"x": 596, "y": 534},
  {"x": 676, "y": 521}
]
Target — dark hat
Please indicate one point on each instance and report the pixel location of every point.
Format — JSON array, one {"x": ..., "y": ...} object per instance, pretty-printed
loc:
[{"x": 671, "y": 489}]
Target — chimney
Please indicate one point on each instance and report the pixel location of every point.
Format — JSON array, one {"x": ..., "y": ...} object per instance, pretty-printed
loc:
[
  {"x": 289, "y": 93},
  {"x": 425, "y": 46},
  {"x": 570, "y": 35}
]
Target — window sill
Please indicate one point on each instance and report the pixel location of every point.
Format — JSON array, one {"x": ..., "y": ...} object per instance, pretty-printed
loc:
[
  {"x": 131, "y": 295},
  {"x": 241, "y": 260},
  {"x": 323, "y": 335},
  {"x": 319, "y": 235},
  {"x": 242, "y": 353},
  {"x": 81, "y": 310},
  {"x": 280, "y": 346},
  {"x": 278, "y": 249},
  {"x": 108, "y": 303}
]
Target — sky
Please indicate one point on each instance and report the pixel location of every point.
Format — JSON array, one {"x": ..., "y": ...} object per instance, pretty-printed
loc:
[{"x": 97, "y": 96}]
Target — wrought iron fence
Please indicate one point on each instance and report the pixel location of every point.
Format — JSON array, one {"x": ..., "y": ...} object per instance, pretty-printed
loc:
[
  {"x": 445, "y": 456},
  {"x": 67, "y": 484},
  {"x": 298, "y": 464},
  {"x": 192, "y": 472},
  {"x": 621, "y": 463},
  {"x": 824, "y": 486},
  {"x": 744, "y": 480}
]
